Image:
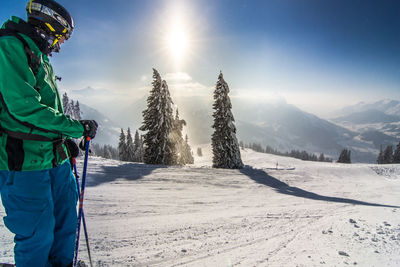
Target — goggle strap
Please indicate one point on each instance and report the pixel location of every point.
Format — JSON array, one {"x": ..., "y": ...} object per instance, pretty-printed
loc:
[{"x": 30, "y": 6}]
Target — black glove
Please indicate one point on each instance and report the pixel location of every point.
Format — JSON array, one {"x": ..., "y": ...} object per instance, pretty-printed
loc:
[
  {"x": 72, "y": 148},
  {"x": 82, "y": 145},
  {"x": 90, "y": 127}
]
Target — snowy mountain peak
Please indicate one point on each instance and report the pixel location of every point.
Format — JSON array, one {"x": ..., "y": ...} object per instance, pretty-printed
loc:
[{"x": 388, "y": 106}]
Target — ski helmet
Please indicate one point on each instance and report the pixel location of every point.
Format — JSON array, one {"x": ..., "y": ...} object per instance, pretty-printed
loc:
[{"x": 52, "y": 19}]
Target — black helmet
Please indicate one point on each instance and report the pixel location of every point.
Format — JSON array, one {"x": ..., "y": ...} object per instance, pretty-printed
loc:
[{"x": 52, "y": 18}]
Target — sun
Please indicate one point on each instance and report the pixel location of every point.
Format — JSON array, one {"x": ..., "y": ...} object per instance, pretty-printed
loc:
[
  {"x": 176, "y": 35},
  {"x": 177, "y": 41}
]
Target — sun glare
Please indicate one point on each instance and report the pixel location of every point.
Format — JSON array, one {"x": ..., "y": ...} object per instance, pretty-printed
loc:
[
  {"x": 177, "y": 35},
  {"x": 177, "y": 43}
]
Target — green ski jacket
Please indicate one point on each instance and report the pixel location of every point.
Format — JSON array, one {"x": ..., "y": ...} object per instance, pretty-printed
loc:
[{"x": 30, "y": 106}]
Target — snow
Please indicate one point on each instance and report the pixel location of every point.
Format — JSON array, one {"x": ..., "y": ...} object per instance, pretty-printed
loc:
[{"x": 295, "y": 214}]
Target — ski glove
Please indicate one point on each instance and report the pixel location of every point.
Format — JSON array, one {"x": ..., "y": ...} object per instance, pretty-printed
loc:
[
  {"x": 90, "y": 127},
  {"x": 82, "y": 145}
]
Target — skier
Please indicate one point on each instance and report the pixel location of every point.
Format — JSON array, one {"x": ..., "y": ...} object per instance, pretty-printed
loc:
[{"x": 37, "y": 187}]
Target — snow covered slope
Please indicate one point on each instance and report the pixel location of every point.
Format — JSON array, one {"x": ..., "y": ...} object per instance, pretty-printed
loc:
[{"x": 275, "y": 212}]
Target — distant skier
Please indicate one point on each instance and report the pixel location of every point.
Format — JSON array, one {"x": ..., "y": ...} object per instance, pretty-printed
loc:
[{"x": 38, "y": 190}]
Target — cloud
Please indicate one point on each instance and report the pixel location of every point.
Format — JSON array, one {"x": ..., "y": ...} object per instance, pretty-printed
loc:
[
  {"x": 90, "y": 91},
  {"x": 182, "y": 84},
  {"x": 178, "y": 77}
]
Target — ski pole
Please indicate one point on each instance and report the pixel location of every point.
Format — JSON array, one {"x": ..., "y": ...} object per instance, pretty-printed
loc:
[
  {"x": 81, "y": 197},
  {"x": 83, "y": 214}
]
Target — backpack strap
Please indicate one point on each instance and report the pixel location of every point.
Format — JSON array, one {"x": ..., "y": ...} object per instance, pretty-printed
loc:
[
  {"x": 33, "y": 60},
  {"x": 25, "y": 136}
]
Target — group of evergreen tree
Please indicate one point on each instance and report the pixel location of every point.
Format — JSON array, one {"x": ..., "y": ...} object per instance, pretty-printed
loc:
[
  {"x": 387, "y": 156},
  {"x": 184, "y": 152},
  {"x": 163, "y": 141},
  {"x": 105, "y": 151},
  {"x": 129, "y": 149},
  {"x": 71, "y": 108},
  {"x": 345, "y": 156},
  {"x": 303, "y": 155}
]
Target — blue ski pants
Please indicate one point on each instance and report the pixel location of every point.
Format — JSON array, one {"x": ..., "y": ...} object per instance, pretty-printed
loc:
[{"x": 40, "y": 210}]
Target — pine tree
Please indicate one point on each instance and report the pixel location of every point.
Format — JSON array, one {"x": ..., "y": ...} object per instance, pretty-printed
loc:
[
  {"x": 77, "y": 111},
  {"x": 388, "y": 155},
  {"x": 379, "y": 160},
  {"x": 176, "y": 135},
  {"x": 136, "y": 142},
  {"x": 107, "y": 152},
  {"x": 72, "y": 105},
  {"x": 66, "y": 105},
  {"x": 349, "y": 156},
  {"x": 158, "y": 121},
  {"x": 396, "y": 155},
  {"x": 321, "y": 157},
  {"x": 122, "y": 146},
  {"x": 187, "y": 152},
  {"x": 150, "y": 122},
  {"x": 140, "y": 151},
  {"x": 225, "y": 147},
  {"x": 345, "y": 156},
  {"x": 130, "y": 152},
  {"x": 136, "y": 147},
  {"x": 170, "y": 154}
]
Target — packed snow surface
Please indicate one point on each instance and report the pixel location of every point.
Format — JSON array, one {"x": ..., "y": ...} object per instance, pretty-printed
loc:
[{"x": 276, "y": 211}]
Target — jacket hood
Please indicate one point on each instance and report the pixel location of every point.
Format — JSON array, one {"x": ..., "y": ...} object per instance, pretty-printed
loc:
[{"x": 19, "y": 25}]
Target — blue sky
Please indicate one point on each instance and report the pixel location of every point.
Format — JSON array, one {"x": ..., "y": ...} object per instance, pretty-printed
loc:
[{"x": 334, "y": 51}]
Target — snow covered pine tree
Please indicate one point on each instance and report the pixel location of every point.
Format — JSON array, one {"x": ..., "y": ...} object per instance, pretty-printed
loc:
[
  {"x": 122, "y": 146},
  {"x": 379, "y": 160},
  {"x": 130, "y": 150},
  {"x": 138, "y": 147},
  {"x": 181, "y": 146},
  {"x": 66, "y": 105},
  {"x": 77, "y": 111},
  {"x": 187, "y": 152},
  {"x": 225, "y": 147},
  {"x": 388, "y": 155},
  {"x": 158, "y": 121},
  {"x": 396, "y": 155},
  {"x": 345, "y": 156}
]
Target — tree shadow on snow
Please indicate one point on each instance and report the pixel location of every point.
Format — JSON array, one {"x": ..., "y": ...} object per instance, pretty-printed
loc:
[
  {"x": 127, "y": 171},
  {"x": 262, "y": 177}
]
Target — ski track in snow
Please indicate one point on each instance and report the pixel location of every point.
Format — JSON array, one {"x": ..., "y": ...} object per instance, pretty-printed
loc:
[{"x": 301, "y": 214}]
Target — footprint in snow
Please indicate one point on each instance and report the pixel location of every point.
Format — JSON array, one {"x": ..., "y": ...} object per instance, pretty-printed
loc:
[{"x": 342, "y": 253}]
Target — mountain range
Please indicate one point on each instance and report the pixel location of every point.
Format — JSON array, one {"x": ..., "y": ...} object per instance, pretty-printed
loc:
[{"x": 108, "y": 130}]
